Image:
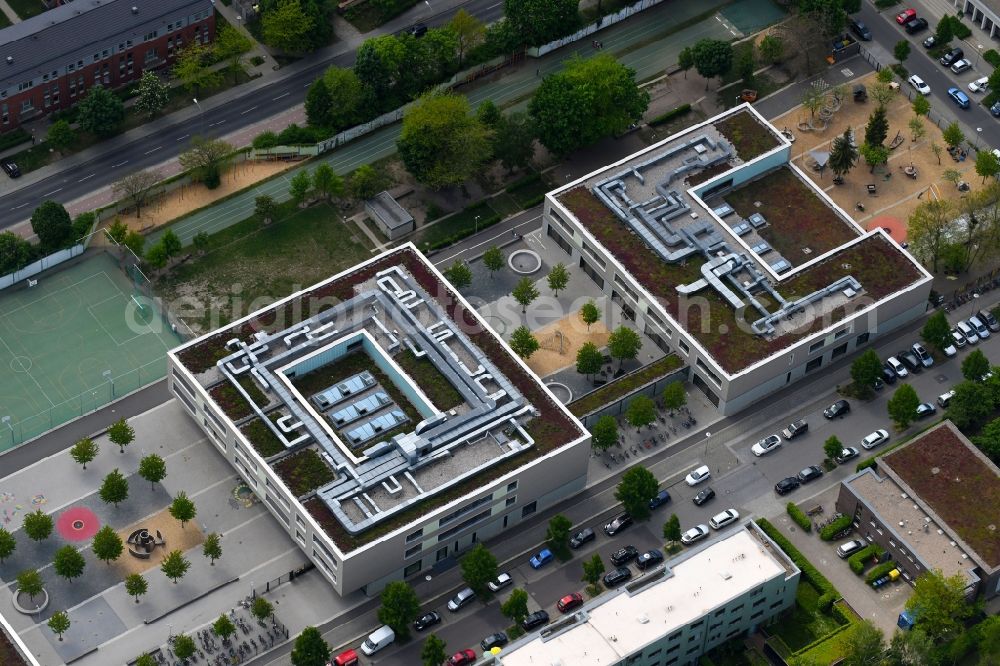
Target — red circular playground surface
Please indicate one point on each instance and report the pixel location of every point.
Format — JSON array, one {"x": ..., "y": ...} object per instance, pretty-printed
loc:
[
  {"x": 77, "y": 524},
  {"x": 893, "y": 226}
]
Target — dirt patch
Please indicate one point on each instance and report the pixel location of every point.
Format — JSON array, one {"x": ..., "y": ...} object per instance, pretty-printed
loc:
[
  {"x": 574, "y": 334},
  {"x": 176, "y": 538}
]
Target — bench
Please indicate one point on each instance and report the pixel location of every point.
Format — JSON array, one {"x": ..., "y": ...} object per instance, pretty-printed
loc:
[{"x": 815, "y": 510}]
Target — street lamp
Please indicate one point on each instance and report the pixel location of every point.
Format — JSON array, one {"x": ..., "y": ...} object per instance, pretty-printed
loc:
[
  {"x": 6, "y": 422},
  {"x": 201, "y": 114},
  {"x": 707, "y": 436},
  {"x": 979, "y": 133},
  {"x": 477, "y": 224},
  {"x": 107, "y": 376}
]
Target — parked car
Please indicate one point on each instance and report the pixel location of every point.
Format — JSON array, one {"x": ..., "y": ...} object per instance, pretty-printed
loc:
[
  {"x": 787, "y": 485},
  {"x": 925, "y": 409},
  {"x": 696, "y": 533},
  {"x": 767, "y": 445},
  {"x": 957, "y": 338},
  {"x": 582, "y": 537},
  {"x": 727, "y": 517},
  {"x": 698, "y": 475},
  {"x": 618, "y": 524},
  {"x": 982, "y": 330},
  {"x": 945, "y": 398},
  {"x": 960, "y": 66},
  {"x": 968, "y": 332},
  {"x": 837, "y": 409},
  {"x": 617, "y": 577},
  {"x": 500, "y": 582},
  {"x": 462, "y": 658},
  {"x": 860, "y": 29},
  {"x": 949, "y": 58},
  {"x": 959, "y": 97},
  {"x": 888, "y": 375},
  {"x": 910, "y": 360},
  {"x": 796, "y": 429},
  {"x": 929, "y": 42},
  {"x": 987, "y": 318},
  {"x": 10, "y": 167},
  {"x": 649, "y": 559},
  {"x": 995, "y": 109},
  {"x": 896, "y": 366},
  {"x": 498, "y": 639},
  {"x": 346, "y": 658},
  {"x": 849, "y": 453},
  {"x": 876, "y": 438},
  {"x": 848, "y": 548},
  {"x": 913, "y": 26},
  {"x": 536, "y": 619},
  {"x": 810, "y": 473},
  {"x": 949, "y": 350},
  {"x": 980, "y": 85},
  {"x": 540, "y": 559},
  {"x": 662, "y": 497},
  {"x": 569, "y": 602},
  {"x": 919, "y": 85},
  {"x": 905, "y": 16},
  {"x": 428, "y": 619},
  {"x": 703, "y": 496},
  {"x": 922, "y": 355},
  {"x": 463, "y": 598},
  {"x": 418, "y": 30},
  {"x": 624, "y": 555}
]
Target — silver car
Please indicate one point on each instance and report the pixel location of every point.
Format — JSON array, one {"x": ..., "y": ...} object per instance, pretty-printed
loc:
[
  {"x": 696, "y": 533},
  {"x": 727, "y": 517}
]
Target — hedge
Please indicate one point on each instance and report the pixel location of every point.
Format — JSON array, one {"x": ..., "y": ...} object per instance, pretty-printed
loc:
[
  {"x": 991, "y": 56},
  {"x": 13, "y": 138},
  {"x": 882, "y": 4},
  {"x": 879, "y": 571},
  {"x": 809, "y": 572},
  {"x": 836, "y": 527},
  {"x": 464, "y": 233},
  {"x": 799, "y": 516},
  {"x": 676, "y": 112},
  {"x": 521, "y": 183},
  {"x": 865, "y": 464},
  {"x": 858, "y": 559}
]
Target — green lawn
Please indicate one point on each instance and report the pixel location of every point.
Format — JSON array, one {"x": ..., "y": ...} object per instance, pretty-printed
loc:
[
  {"x": 4, "y": 21},
  {"x": 459, "y": 223},
  {"x": 805, "y": 623},
  {"x": 26, "y": 8}
]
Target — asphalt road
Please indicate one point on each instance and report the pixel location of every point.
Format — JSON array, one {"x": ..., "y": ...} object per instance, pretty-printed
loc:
[{"x": 79, "y": 177}]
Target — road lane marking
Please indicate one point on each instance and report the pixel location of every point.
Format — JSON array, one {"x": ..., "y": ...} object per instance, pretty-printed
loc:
[
  {"x": 21, "y": 206},
  {"x": 58, "y": 189},
  {"x": 284, "y": 94},
  {"x": 152, "y": 150},
  {"x": 86, "y": 177},
  {"x": 181, "y": 138},
  {"x": 243, "y": 113},
  {"x": 115, "y": 166}
]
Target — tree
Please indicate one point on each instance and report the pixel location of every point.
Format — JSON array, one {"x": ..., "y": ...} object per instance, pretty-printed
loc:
[
  {"x": 814, "y": 96},
  {"x": 937, "y": 331},
  {"x": 318, "y": 104},
  {"x": 674, "y": 396},
  {"x": 864, "y": 646},
  {"x": 637, "y": 487},
  {"x": 593, "y": 569},
  {"x": 101, "y": 112},
  {"x": 156, "y": 256},
  {"x": 672, "y": 528},
  {"x": 917, "y": 128},
  {"x": 604, "y": 433},
  {"x": 479, "y": 567},
  {"x": 975, "y": 365},
  {"x": 874, "y": 155},
  {"x": 441, "y": 141},
  {"x": 30, "y": 582},
  {"x": 121, "y": 434},
  {"x": 557, "y": 535},
  {"x": 15, "y": 252},
  {"x": 588, "y": 100},
  {"x": 988, "y": 441},
  {"x": 515, "y": 608},
  {"x": 212, "y": 548},
  {"x": 558, "y": 278},
  {"x": 877, "y": 128},
  {"x": 743, "y": 64},
  {"x": 590, "y": 313},
  {"x": 174, "y": 565},
  {"x": 223, "y": 628},
  {"x": 489, "y": 114},
  {"x": 902, "y": 406},
  {"x": 902, "y": 50},
  {"x": 136, "y": 586},
  {"x": 771, "y": 49},
  {"x": 524, "y": 292},
  {"x": 459, "y": 274},
  {"x": 971, "y": 405},
  {"x": 84, "y": 451},
  {"x": 201, "y": 241},
  {"x": 588, "y": 359},
  {"x": 832, "y": 447},
  {"x": 940, "y": 604},
  {"x": 107, "y": 545},
  {"x": 261, "y": 608},
  {"x": 987, "y": 164},
  {"x": 60, "y": 135},
  {"x": 514, "y": 140},
  {"x": 937, "y": 150},
  {"x": 265, "y": 208},
  {"x": 204, "y": 160},
  {"x": 59, "y": 623},
  {"x": 299, "y": 185},
  {"x": 152, "y": 94},
  {"x": 136, "y": 188},
  {"x": 346, "y": 94},
  {"x": 945, "y": 30},
  {"x": 493, "y": 259},
  {"x": 641, "y": 411},
  {"x": 523, "y": 342},
  {"x": 184, "y": 646},
  {"x": 400, "y": 606},
  {"x": 624, "y": 344},
  {"x": 366, "y": 182},
  {"x": 232, "y": 45},
  {"x": 310, "y": 649},
  {"x": 193, "y": 69},
  {"x": 921, "y": 105},
  {"x": 433, "y": 652},
  {"x": 865, "y": 370},
  {"x": 68, "y": 563},
  {"x": 135, "y": 242},
  {"x": 287, "y": 26},
  {"x": 537, "y": 22},
  {"x": 52, "y": 224},
  {"x": 37, "y": 525},
  {"x": 712, "y": 57},
  {"x": 470, "y": 32},
  {"x": 182, "y": 508},
  {"x": 843, "y": 154},
  {"x": 953, "y": 135},
  {"x": 929, "y": 228},
  {"x": 685, "y": 60},
  {"x": 8, "y": 544},
  {"x": 327, "y": 183},
  {"x": 114, "y": 489},
  {"x": 171, "y": 243},
  {"x": 913, "y": 648}
]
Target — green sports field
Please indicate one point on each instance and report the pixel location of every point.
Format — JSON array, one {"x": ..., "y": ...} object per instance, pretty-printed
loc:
[{"x": 79, "y": 338}]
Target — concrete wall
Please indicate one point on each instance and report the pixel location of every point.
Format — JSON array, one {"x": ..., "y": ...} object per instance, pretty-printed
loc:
[{"x": 652, "y": 390}]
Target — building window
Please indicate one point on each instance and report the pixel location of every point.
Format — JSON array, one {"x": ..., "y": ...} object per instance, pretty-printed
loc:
[
  {"x": 412, "y": 569},
  {"x": 560, "y": 241},
  {"x": 776, "y": 604},
  {"x": 814, "y": 364},
  {"x": 511, "y": 501},
  {"x": 816, "y": 346},
  {"x": 512, "y": 486},
  {"x": 862, "y": 339},
  {"x": 5, "y": 114},
  {"x": 711, "y": 375},
  {"x": 472, "y": 506},
  {"x": 839, "y": 351},
  {"x": 148, "y": 36},
  {"x": 410, "y": 552},
  {"x": 413, "y": 536},
  {"x": 593, "y": 255},
  {"x": 465, "y": 524},
  {"x": 26, "y": 106},
  {"x": 756, "y": 615},
  {"x": 841, "y": 333},
  {"x": 592, "y": 273},
  {"x": 529, "y": 509},
  {"x": 684, "y": 346}
]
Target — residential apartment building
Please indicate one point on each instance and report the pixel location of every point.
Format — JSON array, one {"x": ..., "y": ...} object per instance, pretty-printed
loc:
[
  {"x": 432, "y": 433},
  {"x": 984, "y": 13},
  {"x": 50, "y": 61},
  {"x": 674, "y": 614},
  {"x": 722, "y": 250},
  {"x": 932, "y": 504}
]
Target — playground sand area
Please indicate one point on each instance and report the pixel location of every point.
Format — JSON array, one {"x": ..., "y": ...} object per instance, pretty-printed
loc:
[
  {"x": 175, "y": 538},
  {"x": 574, "y": 334}
]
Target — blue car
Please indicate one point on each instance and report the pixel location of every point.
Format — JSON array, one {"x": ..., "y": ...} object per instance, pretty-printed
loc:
[
  {"x": 995, "y": 110},
  {"x": 959, "y": 97},
  {"x": 541, "y": 559}
]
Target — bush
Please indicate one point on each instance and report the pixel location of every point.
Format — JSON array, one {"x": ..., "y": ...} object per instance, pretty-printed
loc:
[
  {"x": 13, "y": 138},
  {"x": 991, "y": 56},
  {"x": 858, "y": 559},
  {"x": 809, "y": 572},
  {"x": 865, "y": 464},
  {"x": 676, "y": 112},
  {"x": 879, "y": 571},
  {"x": 836, "y": 527},
  {"x": 464, "y": 233},
  {"x": 799, "y": 516},
  {"x": 961, "y": 30},
  {"x": 900, "y": 70},
  {"x": 527, "y": 181},
  {"x": 882, "y": 4},
  {"x": 825, "y": 601}
]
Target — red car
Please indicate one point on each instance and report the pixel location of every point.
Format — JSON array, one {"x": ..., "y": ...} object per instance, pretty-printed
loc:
[
  {"x": 462, "y": 658},
  {"x": 906, "y": 16},
  {"x": 569, "y": 602}
]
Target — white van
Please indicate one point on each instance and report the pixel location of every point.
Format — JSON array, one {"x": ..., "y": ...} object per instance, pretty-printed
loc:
[
  {"x": 378, "y": 639},
  {"x": 945, "y": 398},
  {"x": 970, "y": 333}
]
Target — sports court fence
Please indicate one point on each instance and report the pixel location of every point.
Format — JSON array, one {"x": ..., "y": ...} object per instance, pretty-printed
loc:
[{"x": 46, "y": 262}]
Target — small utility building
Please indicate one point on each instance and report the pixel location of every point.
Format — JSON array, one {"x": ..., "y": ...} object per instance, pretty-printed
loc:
[{"x": 392, "y": 219}]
